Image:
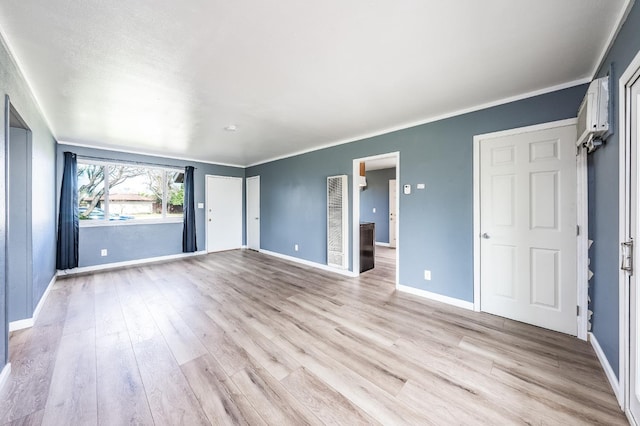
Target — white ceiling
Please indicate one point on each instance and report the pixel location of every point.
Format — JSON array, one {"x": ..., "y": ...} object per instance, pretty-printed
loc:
[{"x": 166, "y": 76}]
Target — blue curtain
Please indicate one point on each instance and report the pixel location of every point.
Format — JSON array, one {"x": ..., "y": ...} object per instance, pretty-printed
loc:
[
  {"x": 189, "y": 213},
  {"x": 67, "y": 253}
]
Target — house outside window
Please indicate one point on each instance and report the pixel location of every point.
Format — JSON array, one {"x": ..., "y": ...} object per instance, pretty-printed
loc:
[{"x": 118, "y": 193}]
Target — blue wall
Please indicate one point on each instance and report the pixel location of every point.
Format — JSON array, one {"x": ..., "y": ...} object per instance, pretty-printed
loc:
[
  {"x": 125, "y": 241},
  {"x": 376, "y": 195},
  {"x": 436, "y": 224},
  {"x": 43, "y": 222},
  {"x": 603, "y": 204}
]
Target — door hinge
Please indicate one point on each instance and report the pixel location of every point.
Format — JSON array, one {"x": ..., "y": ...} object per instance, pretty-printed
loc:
[
  {"x": 577, "y": 310},
  {"x": 577, "y": 229},
  {"x": 627, "y": 256}
]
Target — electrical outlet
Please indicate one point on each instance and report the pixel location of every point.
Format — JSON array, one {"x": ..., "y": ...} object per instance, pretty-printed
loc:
[
  {"x": 103, "y": 252},
  {"x": 295, "y": 247},
  {"x": 427, "y": 275},
  {"x": 374, "y": 209}
]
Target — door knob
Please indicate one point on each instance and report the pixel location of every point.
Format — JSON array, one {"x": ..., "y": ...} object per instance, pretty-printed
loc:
[{"x": 485, "y": 236}]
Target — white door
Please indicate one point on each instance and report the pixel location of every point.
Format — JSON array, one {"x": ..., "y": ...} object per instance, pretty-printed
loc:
[
  {"x": 224, "y": 213},
  {"x": 253, "y": 213},
  {"x": 528, "y": 228},
  {"x": 392, "y": 213},
  {"x": 634, "y": 294}
]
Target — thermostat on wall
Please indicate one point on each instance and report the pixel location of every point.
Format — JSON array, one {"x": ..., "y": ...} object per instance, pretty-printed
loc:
[{"x": 407, "y": 189}]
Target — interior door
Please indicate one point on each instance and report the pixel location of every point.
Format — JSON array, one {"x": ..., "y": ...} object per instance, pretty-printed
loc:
[
  {"x": 528, "y": 228},
  {"x": 253, "y": 213},
  {"x": 634, "y": 294},
  {"x": 224, "y": 213},
  {"x": 392, "y": 213}
]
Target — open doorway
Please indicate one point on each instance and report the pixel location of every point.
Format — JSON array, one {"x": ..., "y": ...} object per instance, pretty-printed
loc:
[{"x": 376, "y": 215}]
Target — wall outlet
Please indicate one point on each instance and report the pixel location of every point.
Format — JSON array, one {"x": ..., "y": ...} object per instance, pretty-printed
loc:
[
  {"x": 201, "y": 205},
  {"x": 374, "y": 209},
  {"x": 295, "y": 247},
  {"x": 427, "y": 275},
  {"x": 103, "y": 252}
]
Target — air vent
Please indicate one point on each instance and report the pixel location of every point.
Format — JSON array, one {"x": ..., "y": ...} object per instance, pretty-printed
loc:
[{"x": 337, "y": 218}]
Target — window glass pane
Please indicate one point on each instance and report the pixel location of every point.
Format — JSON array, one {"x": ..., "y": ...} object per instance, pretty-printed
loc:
[
  {"x": 175, "y": 194},
  {"x": 91, "y": 191},
  {"x": 135, "y": 193}
]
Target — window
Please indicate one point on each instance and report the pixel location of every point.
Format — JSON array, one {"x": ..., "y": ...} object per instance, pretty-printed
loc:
[{"x": 115, "y": 192}]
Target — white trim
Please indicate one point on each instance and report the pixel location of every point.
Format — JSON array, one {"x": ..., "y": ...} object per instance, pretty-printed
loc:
[
  {"x": 29, "y": 322},
  {"x": 581, "y": 292},
  {"x": 308, "y": 263},
  {"x": 431, "y": 119},
  {"x": 4, "y": 375},
  {"x": 146, "y": 153},
  {"x": 608, "y": 371},
  {"x": 582, "y": 243},
  {"x": 624, "y": 187},
  {"x": 435, "y": 296},
  {"x": 21, "y": 324},
  {"x": 378, "y": 243},
  {"x": 116, "y": 265},
  {"x": 355, "y": 235},
  {"x": 622, "y": 17}
]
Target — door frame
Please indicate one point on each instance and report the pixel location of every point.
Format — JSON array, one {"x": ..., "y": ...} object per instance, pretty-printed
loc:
[
  {"x": 252, "y": 178},
  {"x": 624, "y": 184},
  {"x": 581, "y": 197},
  {"x": 206, "y": 207},
  {"x": 355, "y": 213}
]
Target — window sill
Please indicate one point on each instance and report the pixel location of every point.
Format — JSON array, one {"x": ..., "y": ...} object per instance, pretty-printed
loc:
[{"x": 101, "y": 223}]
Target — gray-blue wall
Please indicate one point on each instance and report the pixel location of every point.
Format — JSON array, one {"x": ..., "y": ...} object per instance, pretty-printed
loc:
[
  {"x": 125, "y": 241},
  {"x": 603, "y": 204},
  {"x": 43, "y": 222},
  {"x": 436, "y": 224},
  {"x": 376, "y": 195}
]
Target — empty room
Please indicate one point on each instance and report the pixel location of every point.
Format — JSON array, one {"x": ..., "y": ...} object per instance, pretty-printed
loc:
[{"x": 288, "y": 213}]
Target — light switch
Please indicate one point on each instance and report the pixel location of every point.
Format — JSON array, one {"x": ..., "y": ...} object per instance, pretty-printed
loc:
[
  {"x": 374, "y": 209},
  {"x": 420, "y": 186},
  {"x": 407, "y": 189},
  {"x": 201, "y": 205}
]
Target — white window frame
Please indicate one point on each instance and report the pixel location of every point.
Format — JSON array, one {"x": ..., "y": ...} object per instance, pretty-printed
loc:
[{"x": 105, "y": 222}]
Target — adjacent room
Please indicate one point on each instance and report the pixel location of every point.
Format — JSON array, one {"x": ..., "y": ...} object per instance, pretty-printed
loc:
[{"x": 289, "y": 213}]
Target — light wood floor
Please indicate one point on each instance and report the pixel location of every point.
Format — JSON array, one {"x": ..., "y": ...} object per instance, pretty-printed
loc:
[{"x": 243, "y": 338}]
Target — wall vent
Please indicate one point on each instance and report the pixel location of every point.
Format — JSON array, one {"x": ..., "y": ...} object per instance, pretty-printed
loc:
[{"x": 337, "y": 221}]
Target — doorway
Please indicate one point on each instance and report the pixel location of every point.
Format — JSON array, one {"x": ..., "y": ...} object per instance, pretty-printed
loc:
[
  {"x": 18, "y": 256},
  {"x": 629, "y": 235},
  {"x": 373, "y": 203},
  {"x": 526, "y": 221},
  {"x": 253, "y": 213},
  {"x": 224, "y": 213}
]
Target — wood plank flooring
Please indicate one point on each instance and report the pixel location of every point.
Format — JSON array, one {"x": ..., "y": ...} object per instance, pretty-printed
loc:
[{"x": 243, "y": 338}]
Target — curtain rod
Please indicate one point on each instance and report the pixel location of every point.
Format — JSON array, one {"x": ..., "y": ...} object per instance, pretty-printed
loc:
[{"x": 142, "y": 163}]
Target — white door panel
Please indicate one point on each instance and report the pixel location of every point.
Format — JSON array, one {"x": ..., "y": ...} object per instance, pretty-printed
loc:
[
  {"x": 224, "y": 213},
  {"x": 528, "y": 225},
  {"x": 253, "y": 213}
]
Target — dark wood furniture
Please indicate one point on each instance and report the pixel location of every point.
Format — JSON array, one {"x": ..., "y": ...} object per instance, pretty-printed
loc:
[{"x": 367, "y": 246}]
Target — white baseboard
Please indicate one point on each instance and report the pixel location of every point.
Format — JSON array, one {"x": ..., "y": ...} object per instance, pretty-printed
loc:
[
  {"x": 4, "y": 375},
  {"x": 608, "y": 371},
  {"x": 28, "y": 322},
  {"x": 116, "y": 265},
  {"x": 378, "y": 243},
  {"x": 309, "y": 263},
  {"x": 435, "y": 296}
]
